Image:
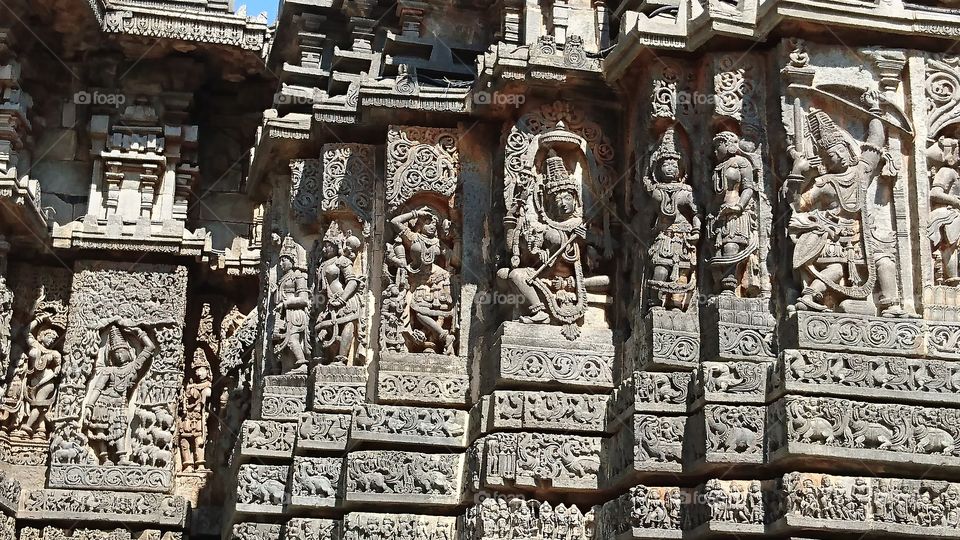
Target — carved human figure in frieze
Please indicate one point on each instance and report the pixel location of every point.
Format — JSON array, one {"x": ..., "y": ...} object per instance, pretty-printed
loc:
[
  {"x": 339, "y": 289},
  {"x": 734, "y": 225},
  {"x": 839, "y": 255},
  {"x": 108, "y": 398},
  {"x": 291, "y": 302},
  {"x": 673, "y": 255},
  {"x": 943, "y": 226},
  {"x": 194, "y": 409},
  {"x": 421, "y": 299}
]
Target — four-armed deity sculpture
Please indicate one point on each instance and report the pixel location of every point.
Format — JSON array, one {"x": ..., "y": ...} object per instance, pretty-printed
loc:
[{"x": 546, "y": 233}]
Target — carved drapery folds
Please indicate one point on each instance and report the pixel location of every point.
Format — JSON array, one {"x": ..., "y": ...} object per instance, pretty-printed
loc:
[
  {"x": 420, "y": 304},
  {"x": 557, "y": 173}
]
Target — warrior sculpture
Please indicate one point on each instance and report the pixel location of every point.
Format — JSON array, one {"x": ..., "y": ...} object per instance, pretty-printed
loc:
[
  {"x": 193, "y": 414},
  {"x": 677, "y": 225},
  {"x": 839, "y": 255},
  {"x": 292, "y": 299},
  {"x": 734, "y": 226},
  {"x": 339, "y": 288},
  {"x": 109, "y": 397}
]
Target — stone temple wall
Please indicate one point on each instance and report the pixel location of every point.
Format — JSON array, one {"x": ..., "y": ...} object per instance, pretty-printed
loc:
[{"x": 469, "y": 270}]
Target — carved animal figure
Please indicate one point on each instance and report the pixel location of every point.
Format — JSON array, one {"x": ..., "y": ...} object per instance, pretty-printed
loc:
[
  {"x": 809, "y": 427},
  {"x": 933, "y": 440},
  {"x": 868, "y": 432},
  {"x": 373, "y": 481},
  {"x": 431, "y": 481},
  {"x": 316, "y": 484}
]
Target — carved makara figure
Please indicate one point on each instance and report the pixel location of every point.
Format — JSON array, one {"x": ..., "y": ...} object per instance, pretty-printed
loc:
[
  {"x": 944, "y": 222},
  {"x": 193, "y": 413},
  {"x": 836, "y": 239},
  {"x": 339, "y": 290},
  {"x": 673, "y": 254},
  {"x": 291, "y": 302},
  {"x": 420, "y": 302},
  {"x": 108, "y": 400},
  {"x": 734, "y": 227}
]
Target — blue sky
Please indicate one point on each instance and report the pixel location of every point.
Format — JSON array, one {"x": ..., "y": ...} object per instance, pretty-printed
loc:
[{"x": 256, "y": 6}]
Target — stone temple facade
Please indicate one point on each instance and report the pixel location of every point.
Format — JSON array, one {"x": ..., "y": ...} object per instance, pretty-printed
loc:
[{"x": 479, "y": 270}]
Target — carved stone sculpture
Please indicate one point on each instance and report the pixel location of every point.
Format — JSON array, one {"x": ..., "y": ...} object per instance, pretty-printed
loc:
[
  {"x": 547, "y": 233},
  {"x": 734, "y": 227},
  {"x": 291, "y": 303},
  {"x": 673, "y": 254},
  {"x": 194, "y": 408},
  {"x": 111, "y": 390},
  {"x": 841, "y": 260},
  {"x": 338, "y": 297}
]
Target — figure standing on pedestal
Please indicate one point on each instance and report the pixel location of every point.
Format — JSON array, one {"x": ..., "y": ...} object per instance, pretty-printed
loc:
[
  {"x": 193, "y": 414},
  {"x": 338, "y": 288},
  {"x": 735, "y": 224},
  {"x": 677, "y": 225},
  {"x": 291, "y": 300},
  {"x": 834, "y": 245},
  {"x": 111, "y": 390}
]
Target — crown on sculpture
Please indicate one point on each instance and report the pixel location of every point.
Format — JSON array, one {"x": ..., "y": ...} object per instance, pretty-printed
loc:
[
  {"x": 559, "y": 135},
  {"x": 116, "y": 341},
  {"x": 557, "y": 177},
  {"x": 200, "y": 359},
  {"x": 826, "y": 134},
  {"x": 667, "y": 148},
  {"x": 334, "y": 235},
  {"x": 293, "y": 251}
]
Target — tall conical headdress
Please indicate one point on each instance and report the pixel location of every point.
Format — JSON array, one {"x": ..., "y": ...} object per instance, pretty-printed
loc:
[
  {"x": 667, "y": 148},
  {"x": 334, "y": 235},
  {"x": 295, "y": 252},
  {"x": 826, "y": 134},
  {"x": 115, "y": 340},
  {"x": 557, "y": 177}
]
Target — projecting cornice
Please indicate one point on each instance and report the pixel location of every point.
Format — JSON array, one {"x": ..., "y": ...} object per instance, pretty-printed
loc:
[
  {"x": 164, "y": 20},
  {"x": 686, "y": 25}
]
